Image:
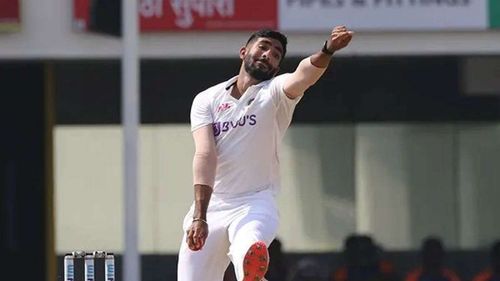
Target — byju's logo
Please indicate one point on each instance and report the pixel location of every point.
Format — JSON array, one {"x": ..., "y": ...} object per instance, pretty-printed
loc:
[{"x": 222, "y": 127}]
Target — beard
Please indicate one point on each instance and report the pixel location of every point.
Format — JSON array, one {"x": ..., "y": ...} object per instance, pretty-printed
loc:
[{"x": 257, "y": 73}]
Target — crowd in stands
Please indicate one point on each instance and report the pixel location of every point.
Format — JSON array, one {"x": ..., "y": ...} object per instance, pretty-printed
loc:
[{"x": 361, "y": 259}]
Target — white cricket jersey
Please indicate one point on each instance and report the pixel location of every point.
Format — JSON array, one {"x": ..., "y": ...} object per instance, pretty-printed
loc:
[{"x": 247, "y": 133}]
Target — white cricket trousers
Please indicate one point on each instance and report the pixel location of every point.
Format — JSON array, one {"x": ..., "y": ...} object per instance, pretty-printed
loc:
[{"x": 234, "y": 225}]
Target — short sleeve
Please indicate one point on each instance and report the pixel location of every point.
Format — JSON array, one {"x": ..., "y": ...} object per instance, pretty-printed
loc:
[
  {"x": 201, "y": 114},
  {"x": 278, "y": 94},
  {"x": 285, "y": 106}
]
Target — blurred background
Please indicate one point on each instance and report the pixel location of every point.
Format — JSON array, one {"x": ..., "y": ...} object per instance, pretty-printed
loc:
[{"x": 391, "y": 161}]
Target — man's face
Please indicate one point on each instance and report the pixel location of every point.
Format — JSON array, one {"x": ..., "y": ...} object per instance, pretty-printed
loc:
[{"x": 262, "y": 57}]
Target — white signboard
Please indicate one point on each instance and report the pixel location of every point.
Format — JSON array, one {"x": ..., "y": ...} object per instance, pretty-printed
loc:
[{"x": 383, "y": 15}]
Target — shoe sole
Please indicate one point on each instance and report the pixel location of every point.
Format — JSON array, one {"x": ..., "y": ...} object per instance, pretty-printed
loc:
[{"x": 256, "y": 262}]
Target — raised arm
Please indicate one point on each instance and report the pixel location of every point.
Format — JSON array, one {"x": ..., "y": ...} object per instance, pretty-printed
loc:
[
  {"x": 312, "y": 68},
  {"x": 204, "y": 166}
]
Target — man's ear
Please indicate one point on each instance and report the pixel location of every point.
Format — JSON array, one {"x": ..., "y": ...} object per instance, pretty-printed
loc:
[{"x": 243, "y": 52}]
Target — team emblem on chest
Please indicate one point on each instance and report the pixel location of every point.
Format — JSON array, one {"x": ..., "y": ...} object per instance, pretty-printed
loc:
[{"x": 223, "y": 107}]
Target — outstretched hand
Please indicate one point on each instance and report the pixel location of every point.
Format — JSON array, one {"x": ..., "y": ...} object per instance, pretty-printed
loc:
[
  {"x": 197, "y": 235},
  {"x": 339, "y": 38}
]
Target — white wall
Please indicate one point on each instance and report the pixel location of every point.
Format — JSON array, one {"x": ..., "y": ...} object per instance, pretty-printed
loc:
[
  {"x": 317, "y": 201},
  {"x": 479, "y": 184},
  {"x": 398, "y": 182},
  {"x": 89, "y": 187},
  {"x": 46, "y": 32},
  {"x": 88, "y": 197},
  {"x": 406, "y": 183}
]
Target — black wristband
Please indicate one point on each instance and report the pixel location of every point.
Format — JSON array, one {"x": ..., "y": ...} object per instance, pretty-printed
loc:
[{"x": 325, "y": 50}]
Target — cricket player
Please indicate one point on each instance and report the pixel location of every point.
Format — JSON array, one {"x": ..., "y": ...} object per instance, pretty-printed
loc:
[{"x": 237, "y": 128}]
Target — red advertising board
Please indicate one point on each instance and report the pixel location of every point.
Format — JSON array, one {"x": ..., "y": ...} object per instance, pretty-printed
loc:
[
  {"x": 9, "y": 15},
  {"x": 203, "y": 15},
  {"x": 81, "y": 14}
]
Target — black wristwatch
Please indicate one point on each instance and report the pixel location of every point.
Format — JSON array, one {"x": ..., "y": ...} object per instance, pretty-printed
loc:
[{"x": 325, "y": 50}]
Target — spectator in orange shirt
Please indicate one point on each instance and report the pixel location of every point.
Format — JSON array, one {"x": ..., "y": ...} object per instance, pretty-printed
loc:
[
  {"x": 493, "y": 272},
  {"x": 432, "y": 267}
]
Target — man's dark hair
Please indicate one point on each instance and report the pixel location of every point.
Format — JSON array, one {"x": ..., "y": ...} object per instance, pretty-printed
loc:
[{"x": 269, "y": 33}]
